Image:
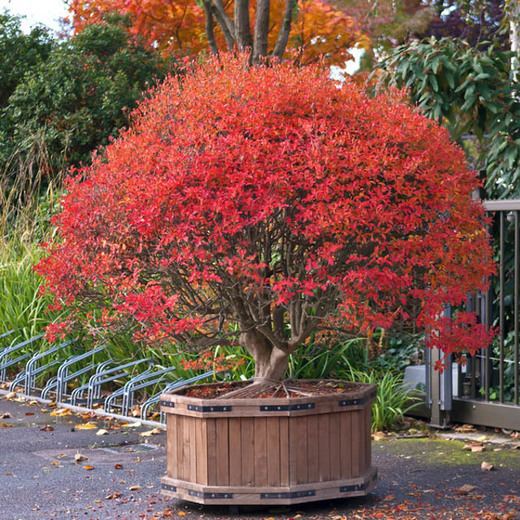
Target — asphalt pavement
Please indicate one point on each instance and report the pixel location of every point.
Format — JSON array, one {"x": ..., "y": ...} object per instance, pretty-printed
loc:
[{"x": 51, "y": 468}]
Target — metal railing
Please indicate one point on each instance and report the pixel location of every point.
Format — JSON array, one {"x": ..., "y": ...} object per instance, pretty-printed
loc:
[{"x": 486, "y": 390}]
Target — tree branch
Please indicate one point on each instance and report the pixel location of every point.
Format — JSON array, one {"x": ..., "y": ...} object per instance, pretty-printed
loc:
[
  {"x": 210, "y": 27},
  {"x": 285, "y": 29},
  {"x": 261, "y": 29},
  {"x": 242, "y": 29},
  {"x": 227, "y": 26}
]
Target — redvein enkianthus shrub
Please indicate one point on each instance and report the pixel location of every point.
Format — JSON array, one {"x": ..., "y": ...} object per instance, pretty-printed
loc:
[{"x": 270, "y": 201}]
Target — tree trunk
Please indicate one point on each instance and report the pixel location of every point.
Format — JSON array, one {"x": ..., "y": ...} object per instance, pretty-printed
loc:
[
  {"x": 283, "y": 35},
  {"x": 261, "y": 29},
  {"x": 242, "y": 28},
  {"x": 270, "y": 362}
]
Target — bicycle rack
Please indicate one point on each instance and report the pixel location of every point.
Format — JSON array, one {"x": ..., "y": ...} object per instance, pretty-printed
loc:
[
  {"x": 154, "y": 400},
  {"x": 34, "y": 368},
  {"x": 106, "y": 376},
  {"x": 59, "y": 384},
  {"x": 6, "y": 361},
  {"x": 78, "y": 394},
  {"x": 127, "y": 392}
]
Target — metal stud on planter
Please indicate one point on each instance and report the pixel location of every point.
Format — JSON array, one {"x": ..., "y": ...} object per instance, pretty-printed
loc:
[{"x": 282, "y": 450}]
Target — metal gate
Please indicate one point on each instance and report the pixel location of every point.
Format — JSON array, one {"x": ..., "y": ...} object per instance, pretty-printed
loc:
[{"x": 486, "y": 389}]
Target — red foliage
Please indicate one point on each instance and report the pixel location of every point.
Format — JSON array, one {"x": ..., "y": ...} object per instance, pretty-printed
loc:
[{"x": 273, "y": 199}]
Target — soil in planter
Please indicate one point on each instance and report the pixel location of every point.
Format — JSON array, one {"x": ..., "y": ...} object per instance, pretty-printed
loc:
[{"x": 283, "y": 390}]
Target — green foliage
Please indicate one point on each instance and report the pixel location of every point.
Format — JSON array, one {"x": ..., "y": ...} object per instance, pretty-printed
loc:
[
  {"x": 470, "y": 91},
  {"x": 392, "y": 400},
  {"x": 21, "y": 306},
  {"x": 80, "y": 96},
  {"x": 21, "y": 53}
]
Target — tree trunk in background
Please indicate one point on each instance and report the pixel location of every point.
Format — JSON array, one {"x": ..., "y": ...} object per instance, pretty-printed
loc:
[{"x": 237, "y": 32}]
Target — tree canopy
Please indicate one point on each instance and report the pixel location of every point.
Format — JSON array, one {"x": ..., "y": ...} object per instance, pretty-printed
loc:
[{"x": 266, "y": 203}]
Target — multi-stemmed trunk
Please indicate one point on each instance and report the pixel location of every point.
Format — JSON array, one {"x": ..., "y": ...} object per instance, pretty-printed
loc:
[
  {"x": 270, "y": 362},
  {"x": 237, "y": 30}
]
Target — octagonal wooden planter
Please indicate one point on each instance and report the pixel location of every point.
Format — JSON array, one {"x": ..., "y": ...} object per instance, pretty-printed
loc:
[{"x": 269, "y": 451}]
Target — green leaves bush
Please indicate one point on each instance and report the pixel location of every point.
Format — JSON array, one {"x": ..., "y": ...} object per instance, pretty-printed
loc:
[
  {"x": 78, "y": 94},
  {"x": 470, "y": 91}
]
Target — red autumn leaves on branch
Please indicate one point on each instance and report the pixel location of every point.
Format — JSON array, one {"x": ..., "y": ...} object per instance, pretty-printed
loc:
[{"x": 272, "y": 201}]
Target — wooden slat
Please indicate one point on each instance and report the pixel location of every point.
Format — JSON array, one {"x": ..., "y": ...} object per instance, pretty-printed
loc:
[
  {"x": 335, "y": 451},
  {"x": 323, "y": 450},
  {"x": 192, "y": 446},
  {"x": 260, "y": 453},
  {"x": 357, "y": 426},
  {"x": 180, "y": 447},
  {"x": 235, "y": 452},
  {"x": 202, "y": 451},
  {"x": 300, "y": 426},
  {"x": 223, "y": 451},
  {"x": 273, "y": 451},
  {"x": 247, "y": 444},
  {"x": 368, "y": 437},
  {"x": 171, "y": 446},
  {"x": 211, "y": 437},
  {"x": 284, "y": 451},
  {"x": 346, "y": 444},
  {"x": 312, "y": 448}
]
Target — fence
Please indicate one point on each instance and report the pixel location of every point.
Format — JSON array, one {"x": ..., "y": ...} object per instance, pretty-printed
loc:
[{"x": 486, "y": 390}]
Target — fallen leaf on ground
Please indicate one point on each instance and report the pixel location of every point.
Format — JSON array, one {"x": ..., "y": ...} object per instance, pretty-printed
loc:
[
  {"x": 486, "y": 466},
  {"x": 47, "y": 428},
  {"x": 87, "y": 426},
  {"x": 118, "y": 466},
  {"x": 136, "y": 411},
  {"x": 155, "y": 431},
  {"x": 465, "y": 489},
  {"x": 112, "y": 496},
  {"x": 56, "y": 463},
  {"x": 11, "y": 395},
  {"x": 5, "y": 415},
  {"x": 134, "y": 488},
  {"x": 61, "y": 412},
  {"x": 465, "y": 428},
  {"x": 88, "y": 468},
  {"x": 102, "y": 432},
  {"x": 5, "y": 425},
  {"x": 79, "y": 457},
  {"x": 378, "y": 436},
  {"x": 136, "y": 424}
]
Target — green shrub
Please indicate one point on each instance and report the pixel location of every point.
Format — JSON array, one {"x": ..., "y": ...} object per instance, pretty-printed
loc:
[{"x": 79, "y": 96}]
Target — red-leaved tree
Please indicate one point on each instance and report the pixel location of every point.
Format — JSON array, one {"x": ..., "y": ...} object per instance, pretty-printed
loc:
[{"x": 269, "y": 203}]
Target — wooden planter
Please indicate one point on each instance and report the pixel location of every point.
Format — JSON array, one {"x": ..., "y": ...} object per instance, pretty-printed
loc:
[{"x": 269, "y": 451}]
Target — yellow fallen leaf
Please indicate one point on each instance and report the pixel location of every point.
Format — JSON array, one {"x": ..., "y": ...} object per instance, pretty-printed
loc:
[
  {"x": 136, "y": 424},
  {"x": 101, "y": 431},
  {"x": 88, "y": 468},
  {"x": 86, "y": 426},
  {"x": 11, "y": 395},
  {"x": 60, "y": 412},
  {"x": 155, "y": 431}
]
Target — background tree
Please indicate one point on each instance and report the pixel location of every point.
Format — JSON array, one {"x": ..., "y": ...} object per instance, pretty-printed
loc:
[
  {"x": 78, "y": 95},
  {"x": 309, "y": 29},
  {"x": 20, "y": 52},
  {"x": 263, "y": 204}
]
